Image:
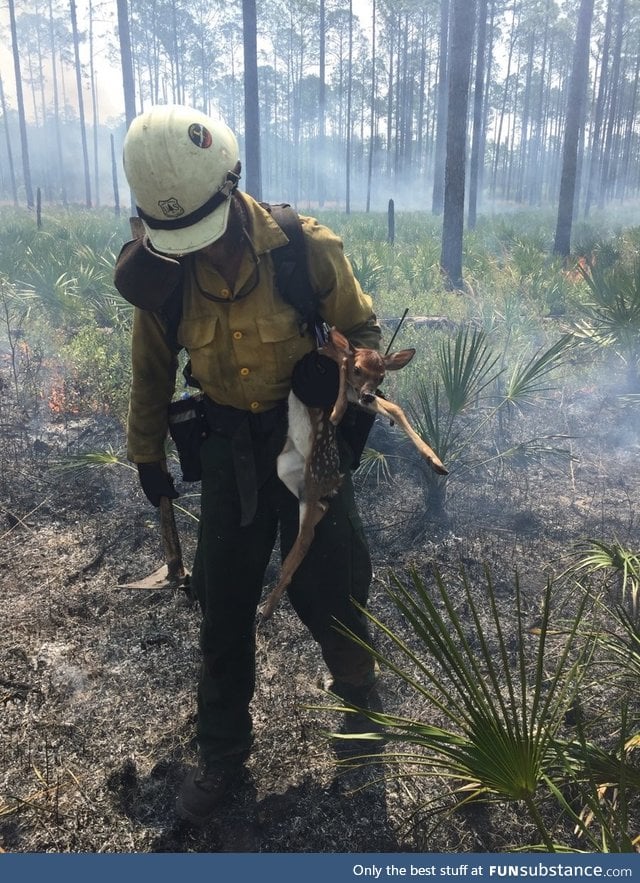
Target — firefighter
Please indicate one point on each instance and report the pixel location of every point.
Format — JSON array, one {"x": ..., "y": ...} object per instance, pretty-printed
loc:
[{"x": 208, "y": 248}]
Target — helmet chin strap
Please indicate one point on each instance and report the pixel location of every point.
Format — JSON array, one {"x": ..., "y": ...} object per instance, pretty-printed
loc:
[
  {"x": 233, "y": 177},
  {"x": 214, "y": 202}
]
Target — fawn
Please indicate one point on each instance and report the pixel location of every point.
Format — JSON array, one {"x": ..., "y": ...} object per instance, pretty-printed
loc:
[{"x": 309, "y": 462}]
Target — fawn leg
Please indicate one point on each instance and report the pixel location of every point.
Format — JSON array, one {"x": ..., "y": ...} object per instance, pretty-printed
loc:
[
  {"x": 341, "y": 402},
  {"x": 383, "y": 406}
]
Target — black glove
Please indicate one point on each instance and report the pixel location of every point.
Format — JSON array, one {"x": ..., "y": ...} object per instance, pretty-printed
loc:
[
  {"x": 316, "y": 380},
  {"x": 156, "y": 482}
]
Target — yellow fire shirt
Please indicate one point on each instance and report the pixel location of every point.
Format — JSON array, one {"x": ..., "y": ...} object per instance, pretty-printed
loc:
[{"x": 242, "y": 342}]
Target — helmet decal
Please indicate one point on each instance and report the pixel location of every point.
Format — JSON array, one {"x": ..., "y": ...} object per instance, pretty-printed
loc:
[
  {"x": 200, "y": 135},
  {"x": 171, "y": 208}
]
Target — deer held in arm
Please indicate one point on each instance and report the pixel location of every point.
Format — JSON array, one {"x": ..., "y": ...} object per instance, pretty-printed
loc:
[{"x": 309, "y": 462}]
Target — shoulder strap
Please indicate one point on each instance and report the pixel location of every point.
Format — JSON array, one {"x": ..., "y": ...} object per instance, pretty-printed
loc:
[
  {"x": 292, "y": 276},
  {"x": 291, "y": 268}
]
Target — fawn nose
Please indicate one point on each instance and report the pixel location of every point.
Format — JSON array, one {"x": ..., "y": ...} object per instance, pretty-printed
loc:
[{"x": 366, "y": 397}]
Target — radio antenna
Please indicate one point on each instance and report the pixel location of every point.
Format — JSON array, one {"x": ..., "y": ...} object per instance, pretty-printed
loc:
[{"x": 395, "y": 333}]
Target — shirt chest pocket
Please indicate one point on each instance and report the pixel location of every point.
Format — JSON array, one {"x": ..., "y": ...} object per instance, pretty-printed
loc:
[
  {"x": 197, "y": 337},
  {"x": 194, "y": 334},
  {"x": 281, "y": 337}
]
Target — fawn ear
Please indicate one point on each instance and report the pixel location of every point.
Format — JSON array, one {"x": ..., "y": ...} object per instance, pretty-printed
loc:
[
  {"x": 395, "y": 361},
  {"x": 339, "y": 341}
]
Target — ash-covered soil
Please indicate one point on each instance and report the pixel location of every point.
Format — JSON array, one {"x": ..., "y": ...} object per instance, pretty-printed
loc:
[{"x": 97, "y": 684}]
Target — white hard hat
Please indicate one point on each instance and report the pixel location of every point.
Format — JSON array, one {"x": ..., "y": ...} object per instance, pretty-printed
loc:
[{"x": 182, "y": 167}]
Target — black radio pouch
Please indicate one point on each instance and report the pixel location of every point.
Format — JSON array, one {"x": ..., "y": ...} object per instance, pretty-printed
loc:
[
  {"x": 355, "y": 427},
  {"x": 188, "y": 428}
]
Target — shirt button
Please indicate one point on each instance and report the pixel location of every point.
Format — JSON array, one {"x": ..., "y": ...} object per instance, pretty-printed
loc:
[
  {"x": 254, "y": 406},
  {"x": 244, "y": 371},
  {"x": 225, "y": 293},
  {"x": 237, "y": 335}
]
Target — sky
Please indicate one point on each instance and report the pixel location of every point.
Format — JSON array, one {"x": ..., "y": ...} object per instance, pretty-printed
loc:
[{"x": 109, "y": 77}]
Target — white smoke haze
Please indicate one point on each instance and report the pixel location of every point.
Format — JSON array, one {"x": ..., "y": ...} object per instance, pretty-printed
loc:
[
  {"x": 97, "y": 684},
  {"x": 521, "y": 138}
]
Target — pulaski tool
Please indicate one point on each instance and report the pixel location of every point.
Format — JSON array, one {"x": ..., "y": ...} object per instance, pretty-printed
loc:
[{"x": 172, "y": 574}]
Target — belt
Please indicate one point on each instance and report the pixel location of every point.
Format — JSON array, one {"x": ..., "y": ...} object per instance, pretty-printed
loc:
[{"x": 245, "y": 428}]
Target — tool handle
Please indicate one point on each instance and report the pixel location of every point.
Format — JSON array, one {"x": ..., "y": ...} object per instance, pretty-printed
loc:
[{"x": 170, "y": 540}]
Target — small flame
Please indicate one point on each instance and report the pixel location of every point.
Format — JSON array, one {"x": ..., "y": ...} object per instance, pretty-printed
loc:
[
  {"x": 60, "y": 401},
  {"x": 583, "y": 265},
  {"x": 57, "y": 399}
]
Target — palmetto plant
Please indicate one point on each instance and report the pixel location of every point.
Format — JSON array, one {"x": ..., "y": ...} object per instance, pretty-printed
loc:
[
  {"x": 623, "y": 563},
  {"x": 618, "y": 635},
  {"x": 529, "y": 378},
  {"x": 607, "y": 783},
  {"x": 110, "y": 457},
  {"x": 466, "y": 366},
  {"x": 500, "y": 693},
  {"x": 93, "y": 460},
  {"x": 612, "y": 314},
  {"x": 66, "y": 269},
  {"x": 368, "y": 270},
  {"x": 374, "y": 465},
  {"x": 465, "y": 382}
]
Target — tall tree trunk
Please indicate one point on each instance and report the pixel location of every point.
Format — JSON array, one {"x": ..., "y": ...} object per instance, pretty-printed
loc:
[
  {"x": 41, "y": 76},
  {"x": 41, "y": 81},
  {"x": 56, "y": 106},
  {"x": 94, "y": 109},
  {"x": 83, "y": 127},
  {"x": 478, "y": 95},
  {"x": 486, "y": 100},
  {"x": 251, "y": 99},
  {"x": 322, "y": 104},
  {"x": 24, "y": 143},
  {"x": 462, "y": 25},
  {"x": 390, "y": 88},
  {"x": 12, "y": 171},
  {"x": 524, "y": 130},
  {"x": 535, "y": 168},
  {"x": 575, "y": 109},
  {"x": 348, "y": 130},
  {"x": 372, "y": 128},
  {"x": 397, "y": 101},
  {"x": 624, "y": 181},
  {"x": 595, "y": 157},
  {"x": 31, "y": 80},
  {"x": 128, "y": 80},
  {"x": 178, "y": 85},
  {"x": 421, "y": 93},
  {"x": 437, "y": 199},
  {"x": 503, "y": 110},
  {"x": 126, "y": 62},
  {"x": 510, "y": 156},
  {"x": 114, "y": 177},
  {"x": 613, "y": 108}
]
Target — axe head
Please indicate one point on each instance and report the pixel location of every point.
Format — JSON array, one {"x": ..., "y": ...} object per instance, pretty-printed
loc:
[{"x": 159, "y": 580}]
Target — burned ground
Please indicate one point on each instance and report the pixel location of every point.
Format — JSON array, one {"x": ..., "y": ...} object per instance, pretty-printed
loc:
[{"x": 97, "y": 684}]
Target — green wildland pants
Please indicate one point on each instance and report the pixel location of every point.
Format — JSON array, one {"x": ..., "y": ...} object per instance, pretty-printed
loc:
[{"x": 228, "y": 579}]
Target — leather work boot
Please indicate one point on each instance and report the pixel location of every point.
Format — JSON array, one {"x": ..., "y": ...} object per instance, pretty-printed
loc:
[
  {"x": 355, "y": 722},
  {"x": 205, "y": 787}
]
